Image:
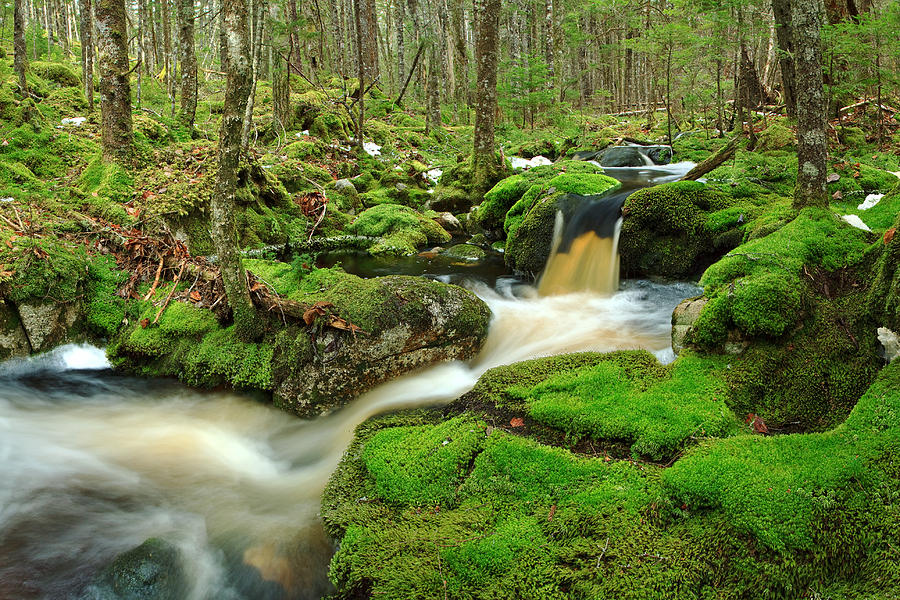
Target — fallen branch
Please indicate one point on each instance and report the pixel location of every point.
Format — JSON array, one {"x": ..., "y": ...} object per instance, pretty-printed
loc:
[
  {"x": 725, "y": 153},
  {"x": 171, "y": 293}
]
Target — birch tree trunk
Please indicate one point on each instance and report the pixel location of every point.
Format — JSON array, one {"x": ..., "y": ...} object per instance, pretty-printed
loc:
[
  {"x": 487, "y": 24},
  {"x": 222, "y": 202},
  {"x": 812, "y": 150},
  {"x": 188, "y": 60},
  {"x": 115, "y": 91}
]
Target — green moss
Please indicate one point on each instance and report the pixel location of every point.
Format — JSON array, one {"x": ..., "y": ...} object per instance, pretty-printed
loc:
[
  {"x": 857, "y": 180},
  {"x": 767, "y": 304},
  {"x": 401, "y": 229},
  {"x": 675, "y": 229},
  {"x": 629, "y": 396},
  {"x": 423, "y": 466},
  {"x": 107, "y": 186},
  {"x": 775, "y": 137},
  {"x": 798, "y": 491},
  {"x": 883, "y": 299},
  {"x": 57, "y": 72},
  {"x": 104, "y": 310},
  {"x": 465, "y": 252}
]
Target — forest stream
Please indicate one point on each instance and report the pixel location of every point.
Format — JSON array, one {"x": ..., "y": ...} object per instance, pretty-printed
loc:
[{"x": 93, "y": 463}]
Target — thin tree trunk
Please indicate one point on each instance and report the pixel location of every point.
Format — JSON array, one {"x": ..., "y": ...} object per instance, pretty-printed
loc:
[
  {"x": 222, "y": 202},
  {"x": 258, "y": 14},
  {"x": 368, "y": 39},
  {"x": 812, "y": 150},
  {"x": 487, "y": 26},
  {"x": 432, "y": 96},
  {"x": 188, "y": 61},
  {"x": 115, "y": 91},
  {"x": 360, "y": 64},
  {"x": 399, "y": 19},
  {"x": 20, "y": 58}
]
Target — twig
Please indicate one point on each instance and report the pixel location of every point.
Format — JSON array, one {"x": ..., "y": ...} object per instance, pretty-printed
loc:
[
  {"x": 321, "y": 216},
  {"x": 155, "y": 281},
  {"x": 171, "y": 293}
]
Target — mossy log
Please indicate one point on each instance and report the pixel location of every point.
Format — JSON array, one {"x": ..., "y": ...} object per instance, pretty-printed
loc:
[{"x": 725, "y": 153}]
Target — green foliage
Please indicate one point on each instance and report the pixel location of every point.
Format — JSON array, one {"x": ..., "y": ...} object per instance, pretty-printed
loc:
[{"x": 775, "y": 137}]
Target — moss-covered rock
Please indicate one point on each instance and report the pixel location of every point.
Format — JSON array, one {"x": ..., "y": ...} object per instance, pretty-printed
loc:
[
  {"x": 677, "y": 229},
  {"x": 884, "y": 294},
  {"x": 790, "y": 307},
  {"x": 402, "y": 230},
  {"x": 465, "y": 252},
  {"x": 775, "y": 137},
  {"x": 498, "y": 201},
  {"x": 455, "y": 193},
  {"x": 59, "y": 73}
]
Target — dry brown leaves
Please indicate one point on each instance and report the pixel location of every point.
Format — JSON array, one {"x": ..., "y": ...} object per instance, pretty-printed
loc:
[{"x": 311, "y": 203}]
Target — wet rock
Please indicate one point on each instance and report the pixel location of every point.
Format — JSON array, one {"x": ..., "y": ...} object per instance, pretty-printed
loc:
[
  {"x": 450, "y": 223},
  {"x": 415, "y": 323},
  {"x": 890, "y": 344},
  {"x": 683, "y": 318},
  {"x": 13, "y": 339},
  {"x": 465, "y": 252},
  {"x": 48, "y": 324},
  {"x": 152, "y": 571}
]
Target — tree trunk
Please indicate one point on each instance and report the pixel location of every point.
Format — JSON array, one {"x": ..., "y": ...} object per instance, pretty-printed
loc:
[
  {"x": 432, "y": 96},
  {"x": 368, "y": 39},
  {"x": 115, "y": 91},
  {"x": 188, "y": 61},
  {"x": 487, "y": 24},
  {"x": 399, "y": 19},
  {"x": 361, "y": 68},
  {"x": 20, "y": 58},
  {"x": 256, "y": 53},
  {"x": 785, "y": 34},
  {"x": 812, "y": 151},
  {"x": 222, "y": 202},
  {"x": 168, "y": 54}
]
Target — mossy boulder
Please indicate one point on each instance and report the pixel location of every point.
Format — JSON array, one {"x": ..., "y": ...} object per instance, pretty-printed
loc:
[
  {"x": 344, "y": 193},
  {"x": 401, "y": 229},
  {"x": 465, "y": 252},
  {"x": 59, "y": 73},
  {"x": 454, "y": 192},
  {"x": 677, "y": 229},
  {"x": 775, "y": 137},
  {"x": 498, "y": 201},
  {"x": 791, "y": 309},
  {"x": 546, "y": 148},
  {"x": 884, "y": 294},
  {"x": 152, "y": 571}
]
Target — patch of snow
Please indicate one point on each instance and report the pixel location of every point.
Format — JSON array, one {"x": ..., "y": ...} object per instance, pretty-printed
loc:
[
  {"x": 372, "y": 149},
  {"x": 74, "y": 121},
  {"x": 8, "y": 199},
  {"x": 855, "y": 221},
  {"x": 517, "y": 162},
  {"x": 434, "y": 174},
  {"x": 870, "y": 201}
]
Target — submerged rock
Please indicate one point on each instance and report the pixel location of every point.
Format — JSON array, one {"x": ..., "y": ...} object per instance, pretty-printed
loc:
[
  {"x": 465, "y": 252},
  {"x": 152, "y": 571}
]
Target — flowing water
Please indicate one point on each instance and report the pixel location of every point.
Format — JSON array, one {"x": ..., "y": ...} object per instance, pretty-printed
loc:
[{"x": 92, "y": 463}]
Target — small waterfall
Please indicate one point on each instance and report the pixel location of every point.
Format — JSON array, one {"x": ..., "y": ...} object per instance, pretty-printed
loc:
[{"x": 586, "y": 257}]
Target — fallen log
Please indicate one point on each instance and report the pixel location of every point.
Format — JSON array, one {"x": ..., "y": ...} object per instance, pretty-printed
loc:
[{"x": 726, "y": 152}]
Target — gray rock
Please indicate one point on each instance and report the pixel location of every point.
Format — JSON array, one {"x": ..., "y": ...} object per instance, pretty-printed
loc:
[
  {"x": 13, "y": 339},
  {"x": 422, "y": 323},
  {"x": 345, "y": 186},
  {"x": 450, "y": 223},
  {"x": 152, "y": 571},
  {"x": 890, "y": 344},
  {"x": 683, "y": 318},
  {"x": 48, "y": 324}
]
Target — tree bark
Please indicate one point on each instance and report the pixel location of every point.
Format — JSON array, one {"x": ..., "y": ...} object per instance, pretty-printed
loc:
[
  {"x": 432, "y": 96},
  {"x": 115, "y": 91},
  {"x": 784, "y": 31},
  {"x": 399, "y": 19},
  {"x": 188, "y": 61},
  {"x": 487, "y": 24},
  {"x": 222, "y": 202},
  {"x": 20, "y": 57},
  {"x": 368, "y": 39},
  {"x": 812, "y": 151}
]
